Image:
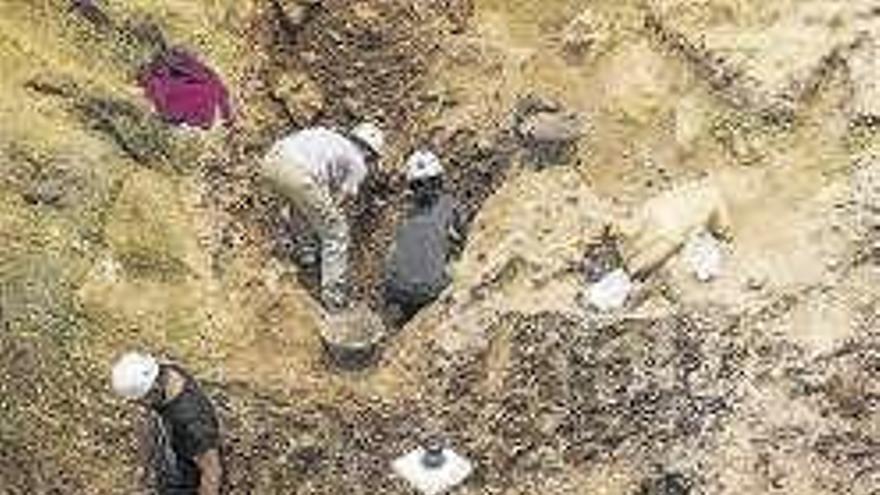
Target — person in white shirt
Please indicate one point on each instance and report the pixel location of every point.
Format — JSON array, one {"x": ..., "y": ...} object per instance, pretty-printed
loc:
[{"x": 316, "y": 169}]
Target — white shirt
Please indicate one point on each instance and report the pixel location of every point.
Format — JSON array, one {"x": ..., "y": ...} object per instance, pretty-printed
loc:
[{"x": 330, "y": 158}]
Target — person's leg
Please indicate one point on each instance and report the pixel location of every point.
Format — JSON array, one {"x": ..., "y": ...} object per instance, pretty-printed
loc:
[
  {"x": 168, "y": 477},
  {"x": 333, "y": 230},
  {"x": 403, "y": 303},
  {"x": 316, "y": 203},
  {"x": 394, "y": 310}
]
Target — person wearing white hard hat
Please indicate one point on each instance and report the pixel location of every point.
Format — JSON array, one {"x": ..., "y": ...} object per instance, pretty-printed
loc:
[
  {"x": 185, "y": 429},
  {"x": 429, "y": 236},
  {"x": 316, "y": 169}
]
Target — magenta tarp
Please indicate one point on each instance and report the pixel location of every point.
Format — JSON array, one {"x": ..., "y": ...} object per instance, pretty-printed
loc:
[{"x": 184, "y": 90}]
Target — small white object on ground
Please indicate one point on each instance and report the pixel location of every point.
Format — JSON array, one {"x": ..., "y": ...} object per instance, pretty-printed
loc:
[
  {"x": 703, "y": 255},
  {"x": 611, "y": 291},
  {"x": 432, "y": 480}
]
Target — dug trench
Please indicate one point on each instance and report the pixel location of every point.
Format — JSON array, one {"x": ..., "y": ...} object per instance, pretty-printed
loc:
[{"x": 356, "y": 72}]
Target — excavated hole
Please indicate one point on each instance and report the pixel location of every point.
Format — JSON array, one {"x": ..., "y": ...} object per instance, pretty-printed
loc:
[{"x": 362, "y": 72}]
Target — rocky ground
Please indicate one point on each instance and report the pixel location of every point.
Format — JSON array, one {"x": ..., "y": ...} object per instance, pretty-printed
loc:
[{"x": 118, "y": 231}]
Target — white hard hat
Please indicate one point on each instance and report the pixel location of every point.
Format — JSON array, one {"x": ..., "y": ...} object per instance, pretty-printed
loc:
[
  {"x": 371, "y": 135},
  {"x": 134, "y": 374},
  {"x": 423, "y": 165}
]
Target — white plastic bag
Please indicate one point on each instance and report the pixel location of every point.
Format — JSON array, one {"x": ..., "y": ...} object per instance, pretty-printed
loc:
[
  {"x": 703, "y": 255},
  {"x": 611, "y": 292}
]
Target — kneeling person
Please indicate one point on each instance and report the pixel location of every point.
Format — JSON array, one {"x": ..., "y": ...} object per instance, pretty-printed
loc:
[
  {"x": 430, "y": 235},
  {"x": 186, "y": 433}
]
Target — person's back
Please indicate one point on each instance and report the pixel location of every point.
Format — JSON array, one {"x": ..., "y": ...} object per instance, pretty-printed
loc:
[
  {"x": 328, "y": 156},
  {"x": 416, "y": 269},
  {"x": 421, "y": 250}
]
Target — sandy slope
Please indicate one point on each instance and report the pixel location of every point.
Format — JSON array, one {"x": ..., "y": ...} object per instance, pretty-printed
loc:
[{"x": 760, "y": 382}]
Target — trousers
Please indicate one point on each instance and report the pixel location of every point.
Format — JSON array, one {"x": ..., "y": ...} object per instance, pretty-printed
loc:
[{"x": 292, "y": 180}]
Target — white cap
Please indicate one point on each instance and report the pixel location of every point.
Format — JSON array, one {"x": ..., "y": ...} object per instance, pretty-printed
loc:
[
  {"x": 423, "y": 165},
  {"x": 371, "y": 135},
  {"x": 134, "y": 374}
]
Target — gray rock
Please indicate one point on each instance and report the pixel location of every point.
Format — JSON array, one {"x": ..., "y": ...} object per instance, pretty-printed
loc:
[
  {"x": 532, "y": 104},
  {"x": 549, "y": 137},
  {"x": 46, "y": 192},
  {"x": 551, "y": 128}
]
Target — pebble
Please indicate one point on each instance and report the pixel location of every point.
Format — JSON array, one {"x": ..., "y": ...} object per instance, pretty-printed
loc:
[{"x": 46, "y": 192}]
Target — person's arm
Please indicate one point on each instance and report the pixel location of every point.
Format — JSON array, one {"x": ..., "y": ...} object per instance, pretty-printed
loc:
[
  {"x": 211, "y": 472},
  {"x": 354, "y": 173}
]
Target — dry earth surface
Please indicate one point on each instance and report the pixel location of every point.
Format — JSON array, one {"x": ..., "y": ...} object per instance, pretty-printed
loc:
[{"x": 118, "y": 231}]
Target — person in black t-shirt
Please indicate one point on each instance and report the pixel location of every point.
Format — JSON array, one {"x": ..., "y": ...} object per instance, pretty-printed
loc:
[{"x": 185, "y": 430}]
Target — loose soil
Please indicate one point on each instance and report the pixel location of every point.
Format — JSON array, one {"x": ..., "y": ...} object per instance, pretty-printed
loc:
[{"x": 120, "y": 232}]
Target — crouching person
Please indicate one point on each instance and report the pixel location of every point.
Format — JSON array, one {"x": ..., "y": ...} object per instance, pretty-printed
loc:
[
  {"x": 317, "y": 170},
  {"x": 416, "y": 270},
  {"x": 185, "y": 431}
]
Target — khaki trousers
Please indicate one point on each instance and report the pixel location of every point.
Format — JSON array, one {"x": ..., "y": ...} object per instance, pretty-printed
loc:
[{"x": 314, "y": 200}]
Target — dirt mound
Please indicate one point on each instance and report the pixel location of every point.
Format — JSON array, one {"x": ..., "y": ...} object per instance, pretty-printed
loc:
[
  {"x": 569, "y": 395},
  {"x": 572, "y": 393}
]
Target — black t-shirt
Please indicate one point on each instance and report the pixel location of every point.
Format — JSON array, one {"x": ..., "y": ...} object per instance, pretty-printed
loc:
[{"x": 192, "y": 428}]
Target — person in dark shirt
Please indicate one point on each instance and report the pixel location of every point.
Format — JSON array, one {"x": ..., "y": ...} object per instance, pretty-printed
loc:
[
  {"x": 185, "y": 429},
  {"x": 416, "y": 270}
]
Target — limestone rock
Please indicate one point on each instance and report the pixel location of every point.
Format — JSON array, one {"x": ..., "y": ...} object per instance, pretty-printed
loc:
[
  {"x": 552, "y": 128},
  {"x": 864, "y": 67},
  {"x": 550, "y": 136},
  {"x": 665, "y": 223},
  {"x": 774, "y": 64}
]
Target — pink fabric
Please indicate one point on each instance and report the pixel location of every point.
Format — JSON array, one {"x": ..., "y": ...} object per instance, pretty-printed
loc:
[{"x": 184, "y": 90}]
